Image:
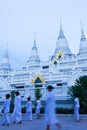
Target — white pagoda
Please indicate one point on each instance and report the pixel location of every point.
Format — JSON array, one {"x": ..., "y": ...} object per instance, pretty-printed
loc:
[{"x": 61, "y": 70}]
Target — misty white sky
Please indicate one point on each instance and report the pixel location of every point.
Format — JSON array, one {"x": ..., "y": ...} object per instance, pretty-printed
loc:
[{"x": 19, "y": 19}]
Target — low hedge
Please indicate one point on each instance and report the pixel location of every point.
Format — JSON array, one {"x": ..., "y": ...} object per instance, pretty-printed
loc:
[{"x": 58, "y": 110}]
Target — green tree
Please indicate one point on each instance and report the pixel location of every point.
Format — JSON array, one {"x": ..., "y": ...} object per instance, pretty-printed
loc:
[
  {"x": 38, "y": 93},
  {"x": 12, "y": 101},
  {"x": 79, "y": 88}
]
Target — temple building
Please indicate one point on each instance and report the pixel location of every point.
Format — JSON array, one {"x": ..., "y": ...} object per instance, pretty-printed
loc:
[{"x": 61, "y": 70}]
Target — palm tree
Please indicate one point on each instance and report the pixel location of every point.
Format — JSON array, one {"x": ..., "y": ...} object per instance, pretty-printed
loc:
[{"x": 80, "y": 88}]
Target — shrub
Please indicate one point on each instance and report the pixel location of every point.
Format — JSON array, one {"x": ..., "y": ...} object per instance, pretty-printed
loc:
[
  {"x": 64, "y": 110},
  {"x": 23, "y": 110}
]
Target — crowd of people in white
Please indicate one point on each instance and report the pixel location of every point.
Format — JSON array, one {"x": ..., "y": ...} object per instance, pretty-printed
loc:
[{"x": 49, "y": 116}]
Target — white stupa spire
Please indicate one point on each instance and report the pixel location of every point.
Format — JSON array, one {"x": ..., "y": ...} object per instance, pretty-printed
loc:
[
  {"x": 34, "y": 52},
  {"x": 83, "y": 43},
  {"x": 61, "y": 33},
  {"x": 82, "y": 33},
  {"x": 62, "y": 44},
  {"x": 34, "y": 45},
  {"x": 5, "y": 61}
]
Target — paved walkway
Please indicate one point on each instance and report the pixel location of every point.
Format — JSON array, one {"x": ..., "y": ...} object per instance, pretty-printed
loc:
[{"x": 68, "y": 123}]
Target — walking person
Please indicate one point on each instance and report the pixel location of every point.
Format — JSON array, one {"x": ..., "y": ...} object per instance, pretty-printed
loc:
[
  {"x": 38, "y": 107},
  {"x": 6, "y": 108},
  {"x": 76, "y": 108},
  {"x": 50, "y": 109},
  {"x": 28, "y": 114},
  {"x": 17, "y": 116}
]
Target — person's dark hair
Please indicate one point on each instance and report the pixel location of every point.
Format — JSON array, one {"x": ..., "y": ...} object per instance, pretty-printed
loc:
[
  {"x": 75, "y": 95},
  {"x": 29, "y": 98},
  {"x": 17, "y": 93},
  {"x": 7, "y": 96},
  {"x": 50, "y": 87}
]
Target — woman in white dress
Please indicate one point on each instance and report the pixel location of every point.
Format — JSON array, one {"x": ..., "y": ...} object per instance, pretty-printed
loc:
[
  {"x": 38, "y": 106},
  {"x": 6, "y": 108},
  {"x": 76, "y": 108},
  {"x": 50, "y": 109},
  {"x": 17, "y": 116},
  {"x": 29, "y": 109}
]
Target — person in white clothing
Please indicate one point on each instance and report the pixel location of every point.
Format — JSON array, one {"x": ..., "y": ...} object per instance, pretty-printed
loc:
[
  {"x": 76, "y": 108},
  {"x": 29, "y": 109},
  {"x": 17, "y": 116},
  {"x": 38, "y": 106},
  {"x": 50, "y": 109},
  {"x": 6, "y": 108}
]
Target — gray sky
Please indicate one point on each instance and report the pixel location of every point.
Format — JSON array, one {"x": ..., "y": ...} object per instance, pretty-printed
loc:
[{"x": 19, "y": 19}]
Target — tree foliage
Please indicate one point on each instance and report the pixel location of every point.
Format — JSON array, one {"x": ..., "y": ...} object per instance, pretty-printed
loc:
[
  {"x": 38, "y": 93},
  {"x": 79, "y": 88},
  {"x": 12, "y": 101}
]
